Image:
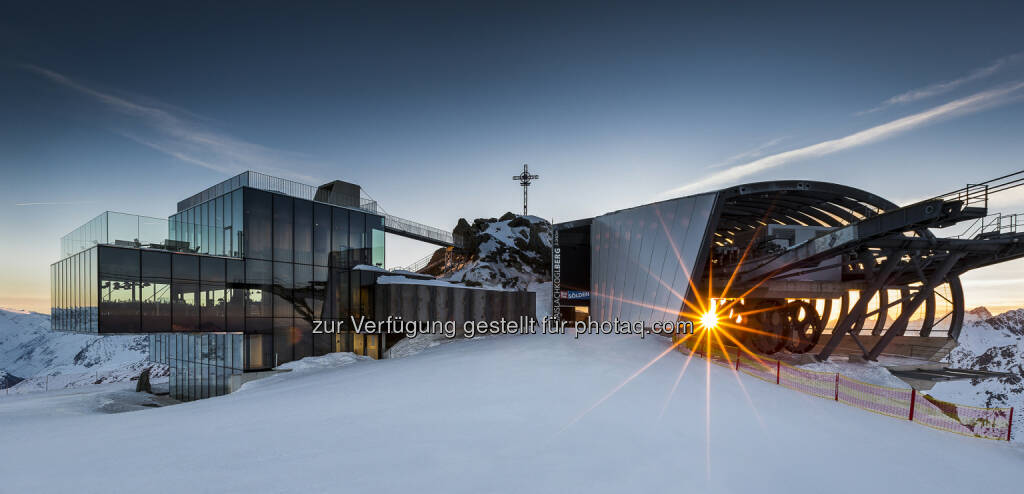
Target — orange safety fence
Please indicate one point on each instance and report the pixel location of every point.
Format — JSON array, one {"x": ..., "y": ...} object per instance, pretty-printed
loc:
[
  {"x": 763, "y": 368},
  {"x": 989, "y": 423},
  {"x": 713, "y": 352},
  {"x": 821, "y": 384},
  {"x": 903, "y": 403},
  {"x": 894, "y": 402}
]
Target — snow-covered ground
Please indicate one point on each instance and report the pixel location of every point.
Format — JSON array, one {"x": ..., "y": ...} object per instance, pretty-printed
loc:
[{"x": 501, "y": 414}]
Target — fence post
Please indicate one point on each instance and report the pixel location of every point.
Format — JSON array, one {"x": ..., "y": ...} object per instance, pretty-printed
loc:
[
  {"x": 737, "y": 359},
  {"x": 913, "y": 398},
  {"x": 1009, "y": 427},
  {"x": 778, "y": 371},
  {"x": 837, "y": 386}
]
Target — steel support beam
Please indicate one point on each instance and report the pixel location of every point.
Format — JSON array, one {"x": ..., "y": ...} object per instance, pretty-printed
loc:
[
  {"x": 900, "y": 324},
  {"x": 849, "y": 320}
]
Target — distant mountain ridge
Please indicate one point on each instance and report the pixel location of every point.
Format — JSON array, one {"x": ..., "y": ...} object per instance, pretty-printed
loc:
[
  {"x": 30, "y": 351},
  {"x": 993, "y": 343},
  {"x": 981, "y": 312}
]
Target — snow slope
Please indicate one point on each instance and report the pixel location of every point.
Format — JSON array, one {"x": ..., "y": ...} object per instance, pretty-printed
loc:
[
  {"x": 500, "y": 414},
  {"x": 36, "y": 355}
]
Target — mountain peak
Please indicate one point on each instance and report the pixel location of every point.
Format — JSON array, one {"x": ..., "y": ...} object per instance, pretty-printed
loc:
[{"x": 981, "y": 312}]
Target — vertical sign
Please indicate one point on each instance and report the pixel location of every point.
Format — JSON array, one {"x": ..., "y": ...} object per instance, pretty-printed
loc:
[{"x": 556, "y": 278}]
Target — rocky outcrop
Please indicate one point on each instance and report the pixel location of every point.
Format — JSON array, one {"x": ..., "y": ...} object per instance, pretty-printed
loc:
[{"x": 512, "y": 251}]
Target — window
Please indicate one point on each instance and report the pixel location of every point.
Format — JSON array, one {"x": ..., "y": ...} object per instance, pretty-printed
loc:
[
  {"x": 235, "y": 271},
  {"x": 119, "y": 305},
  {"x": 338, "y": 288},
  {"x": 303, "y": 232},
  {"x": 284, "y": 282},
  {"x": 259, "y": 351},
  {"x": 190, "y": 229},
  {"x": 283, "y": 340},
  {"x": 236, "y": 222},
  {"x": 202, "y": 221},
  {"x": 258, "y": 224},
  {"x": 377, "y": 239},
  {"x": 357, "y": 239},
  {"x": 259, "y": 282},
  {"x": 211, "y": 270},
  {"x": 212, "y": 303},
  {"x": 339, "y": 239},
  {"x": 303, "y": 292},
  {"x": 93, "y": 290},
  {"x": 318, "y": 287},
  {"x": 156, "y": 305},
  {"x": 283, "y": 221},
  {"x": 156, "y": 265},
  {"x": 218, "y": 226},
  {"x": 234, "y": 308},
  {"x": 355, "y": 302},
  {"x": 302, "y": 335},
  {"x": 119, "y": 262},
  {"x": 184, "y": 267},
  {"x": 321, "y": 234},
  {"x": 184, "y": 306}
]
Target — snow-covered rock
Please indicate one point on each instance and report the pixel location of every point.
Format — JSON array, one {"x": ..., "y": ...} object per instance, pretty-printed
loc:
[
  {"x": 508, "y": 252},
  {"x": 993, "y": 344}
]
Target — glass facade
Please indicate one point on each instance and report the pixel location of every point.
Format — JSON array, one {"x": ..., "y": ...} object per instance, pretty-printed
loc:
[
  {"x": 213, "y": 227},
  {"x": 299, "y": 256},
  {"x": 643, "y": 258},
  {"x": 258, "y": 265},
  {"x": 115, "y": 229},
  {"x": 201, "y": 364},
  {"x": 74, "y": 292}
]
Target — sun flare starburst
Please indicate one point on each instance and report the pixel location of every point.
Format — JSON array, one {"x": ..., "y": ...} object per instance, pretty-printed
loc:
[{"x": 709, "y": 320}]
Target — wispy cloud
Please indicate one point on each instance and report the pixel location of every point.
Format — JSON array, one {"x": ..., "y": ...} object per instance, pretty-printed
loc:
[
  {"x": 976, "y": 102},
  {"x": 749, "y": 154},
  {"x": 947, "y": 86},
  {"x": 55, "y": 203},
  {"x": 185, "y": 136}
]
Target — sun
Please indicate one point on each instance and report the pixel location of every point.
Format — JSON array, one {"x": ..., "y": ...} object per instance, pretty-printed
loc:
[{"x": 709, "y": 320}]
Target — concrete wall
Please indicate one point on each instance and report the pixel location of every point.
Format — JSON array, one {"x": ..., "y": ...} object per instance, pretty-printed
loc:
[{"x": 427, "y": 303}]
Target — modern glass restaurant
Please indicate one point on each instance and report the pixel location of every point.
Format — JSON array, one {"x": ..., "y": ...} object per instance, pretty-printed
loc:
[{"x": 231, "y": 282}]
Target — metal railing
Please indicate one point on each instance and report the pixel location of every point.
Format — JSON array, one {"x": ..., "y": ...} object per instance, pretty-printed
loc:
[
  {"x": 994, "y": 224},
  {"x": 419, "y": 229},
  {"x": 418, "y": 265},
  {"x": 976, "y": 195}
]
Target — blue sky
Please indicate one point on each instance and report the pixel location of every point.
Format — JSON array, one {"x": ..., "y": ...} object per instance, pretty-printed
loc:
[{"x": 433, "y": 109}]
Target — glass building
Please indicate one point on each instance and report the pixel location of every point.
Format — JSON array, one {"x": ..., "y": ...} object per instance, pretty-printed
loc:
[{"x": 232, "y": 282}]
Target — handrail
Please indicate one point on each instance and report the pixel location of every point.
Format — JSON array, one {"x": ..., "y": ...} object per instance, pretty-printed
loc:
[{"x": 997, "y": 223}]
